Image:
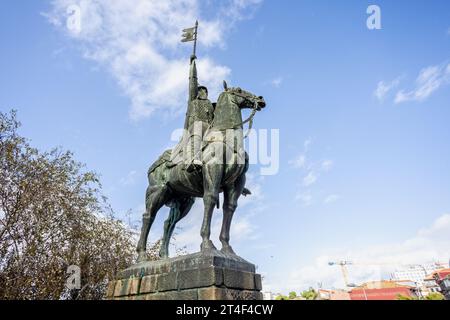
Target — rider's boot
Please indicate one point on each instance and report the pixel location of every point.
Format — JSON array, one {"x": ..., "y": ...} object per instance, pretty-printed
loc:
[{"x": 196, "y": 163}]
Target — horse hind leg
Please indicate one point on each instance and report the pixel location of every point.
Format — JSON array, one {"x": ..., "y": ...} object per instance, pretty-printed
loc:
[
  {"x": 177, "y": 212},
  {"x": 155, "y": 198}
]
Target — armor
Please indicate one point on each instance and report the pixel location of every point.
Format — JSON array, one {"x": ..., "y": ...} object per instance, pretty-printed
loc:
[
  {"x": 199, "y": 116},
  {"x": 199, "y": 109}
]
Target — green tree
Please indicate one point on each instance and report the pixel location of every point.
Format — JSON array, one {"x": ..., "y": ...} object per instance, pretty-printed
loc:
[
  {"x": 310, "y": 294},
  {"x": 402, "y": 297},
  {"x": 292, "y": 295},
  {"x": 52, "y": 216},
  {"x": 435, "y": 296}
]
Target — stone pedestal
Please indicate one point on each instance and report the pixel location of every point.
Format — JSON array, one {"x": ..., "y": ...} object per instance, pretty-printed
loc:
[{"x": 199, "y": 276}]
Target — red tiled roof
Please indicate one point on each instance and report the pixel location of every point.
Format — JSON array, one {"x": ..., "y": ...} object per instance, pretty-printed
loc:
[
  {"x": 379, "y": 294},
  {"x": 441, "y": 274}
]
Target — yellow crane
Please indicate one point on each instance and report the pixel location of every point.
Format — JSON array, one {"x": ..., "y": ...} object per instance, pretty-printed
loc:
[
  {"x": 344, "y": 263},
  {"x": 344, "y": 270}
]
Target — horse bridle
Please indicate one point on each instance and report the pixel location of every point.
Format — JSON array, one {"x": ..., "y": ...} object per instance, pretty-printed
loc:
[{"x": 248, "y": 120}]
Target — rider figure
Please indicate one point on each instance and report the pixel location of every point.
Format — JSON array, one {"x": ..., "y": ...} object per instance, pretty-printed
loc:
[{"x": 199, "y": 116}]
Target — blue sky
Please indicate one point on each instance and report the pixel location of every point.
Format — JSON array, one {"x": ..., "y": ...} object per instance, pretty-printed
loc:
[{"x": 362, "y": 114}]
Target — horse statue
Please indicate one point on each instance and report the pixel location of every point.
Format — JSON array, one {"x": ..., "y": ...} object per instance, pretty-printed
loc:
[{"x": 225, "y": 164}]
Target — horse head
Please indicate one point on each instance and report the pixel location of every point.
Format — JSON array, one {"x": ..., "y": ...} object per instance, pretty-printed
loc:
[{"x": 245, "y": 99}]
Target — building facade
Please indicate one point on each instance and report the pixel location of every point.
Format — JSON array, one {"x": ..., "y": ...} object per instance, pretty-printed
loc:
[
  {"x": 442, "y": 278},
  {"x": 416, "y": 273},
  {"x": 382, "y": 290}
]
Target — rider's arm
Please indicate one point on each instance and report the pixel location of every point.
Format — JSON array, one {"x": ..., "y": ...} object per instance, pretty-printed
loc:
[{"x": 193, "y": 81}]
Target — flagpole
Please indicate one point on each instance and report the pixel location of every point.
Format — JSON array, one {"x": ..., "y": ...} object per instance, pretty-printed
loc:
[{"x": 195, "y": 37}]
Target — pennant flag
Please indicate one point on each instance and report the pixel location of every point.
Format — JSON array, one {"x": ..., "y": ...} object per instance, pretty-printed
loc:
[{"x": 189, "y": 34}]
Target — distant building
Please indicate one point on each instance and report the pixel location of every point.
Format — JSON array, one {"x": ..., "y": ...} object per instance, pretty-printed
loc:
[
  {"x": 382, "y": 290},
  {"x": 416, "y": 273},
  {"x": 430, "y": 285},
  {"x": 267, "y": 295},
  {"x": 420, "y": 277},
  {"x": 333, "y": 295},
  {"x": 442, "y": 278}
]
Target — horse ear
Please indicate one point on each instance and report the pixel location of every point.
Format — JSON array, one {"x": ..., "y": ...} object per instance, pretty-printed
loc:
[{"x": 225, "y": 85}]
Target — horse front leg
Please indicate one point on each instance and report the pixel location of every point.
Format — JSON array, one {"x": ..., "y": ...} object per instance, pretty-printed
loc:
[
  {"x": 212, "y": 177},
  {"x": 231, "y": 196}
]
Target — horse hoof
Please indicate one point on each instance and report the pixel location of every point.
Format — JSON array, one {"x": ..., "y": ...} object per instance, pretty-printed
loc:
[
  {"x": 207, "y": 246},
  {"x": 163, "y": 255},
  {"x": 228, "y": 250}
]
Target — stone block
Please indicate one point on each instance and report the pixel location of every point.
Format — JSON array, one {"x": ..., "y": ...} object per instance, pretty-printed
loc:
[
  {"x": 215, "y": 293},
  {"x": 211, "y": 275},
  {"x": 258, "y": 282},
  {"x": 181, "y": 295},
  {"x": 198, "y": 260},
  {"x": 199, "y": 278},
  {"x": 149, "y": 284},
  {"x": 134, "y": 284},
  {"x": 167, "y": 281},
  {"x": 156, "y": 296},
  {"x": 122, "y": 288},
  {"x": 110, "y": 289},
  {"x": 239, "y": 279}
]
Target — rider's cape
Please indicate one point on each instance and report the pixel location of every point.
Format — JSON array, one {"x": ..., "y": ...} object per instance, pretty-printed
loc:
[{"x": 164, "y": 158}]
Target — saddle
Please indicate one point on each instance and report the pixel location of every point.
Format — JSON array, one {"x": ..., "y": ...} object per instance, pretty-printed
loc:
[{"x": 165, "y": 159}]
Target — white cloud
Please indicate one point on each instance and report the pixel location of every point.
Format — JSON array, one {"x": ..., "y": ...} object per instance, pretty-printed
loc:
[
  {"x": 299, "y": 162},
  {"x": 307, "y": 144},
  {"x": 331, "y": 198},
  {"x": 384, "y": 88},
  {"x": 439, "y": 226},
  {"x": 309, "y": 179},
  {"x": 311, "y": 170},
  {"x": 138, "y": 43},
  {"x": 327, "y": 165},
  {"x": 429, "y": 80},
  {"x": 276, "y": 82},
  {"x": 305, "y": 198},
  {"x": 129, "y": 179},
  {"x": 374, "y": 262}
]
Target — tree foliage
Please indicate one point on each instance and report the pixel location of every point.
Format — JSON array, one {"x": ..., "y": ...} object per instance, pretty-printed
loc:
[
  {"x": 435, "y": 296},
  {"x": 52, "y": 215},
  {"x": 310, "y": 294},
  {"x": 402, "y": 297},
  {"x": 431, "y": 296}
]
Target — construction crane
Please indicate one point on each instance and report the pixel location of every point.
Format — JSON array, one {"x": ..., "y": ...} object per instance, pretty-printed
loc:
[
  {"x": 344, "y": 263},
  {"x": 344, "y": 270}
]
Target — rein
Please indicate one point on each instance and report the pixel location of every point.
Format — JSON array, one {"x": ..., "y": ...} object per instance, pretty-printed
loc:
[{"x": 248, "y": 120}]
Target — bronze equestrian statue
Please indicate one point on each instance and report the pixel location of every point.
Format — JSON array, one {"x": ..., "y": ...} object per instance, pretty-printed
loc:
[{"x": 209, "y": 160}]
